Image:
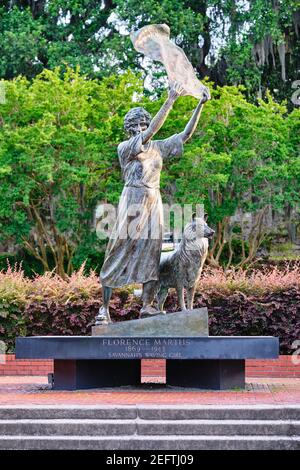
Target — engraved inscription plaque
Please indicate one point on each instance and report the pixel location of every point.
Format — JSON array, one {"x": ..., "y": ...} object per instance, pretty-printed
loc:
[{"x": 137, "y": 348}]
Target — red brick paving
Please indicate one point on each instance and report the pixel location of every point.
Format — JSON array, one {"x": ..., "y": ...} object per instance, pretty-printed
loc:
[{"x": 35, "y": 391}]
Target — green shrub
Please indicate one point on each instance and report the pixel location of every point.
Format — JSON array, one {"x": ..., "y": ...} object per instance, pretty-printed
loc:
[{"x": 265, "y": 302}]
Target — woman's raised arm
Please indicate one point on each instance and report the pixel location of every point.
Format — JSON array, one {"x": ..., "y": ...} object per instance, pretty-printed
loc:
[
  {"x": 192, "y": 124},
  {"x": 162, "y": 114}
]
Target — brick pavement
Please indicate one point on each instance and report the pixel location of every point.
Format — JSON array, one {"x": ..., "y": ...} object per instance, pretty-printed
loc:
[{"x": 34, "y": 390}]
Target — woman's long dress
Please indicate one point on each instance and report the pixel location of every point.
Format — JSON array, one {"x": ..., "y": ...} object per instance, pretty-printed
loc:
[{"x": 133, "y": 251}]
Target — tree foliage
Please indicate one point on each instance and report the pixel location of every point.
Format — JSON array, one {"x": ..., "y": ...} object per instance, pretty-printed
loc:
[
  {"x": 231, "y": 41},
  {"x": 58, "y": 140},
  {"x": 243, "y": 159}
]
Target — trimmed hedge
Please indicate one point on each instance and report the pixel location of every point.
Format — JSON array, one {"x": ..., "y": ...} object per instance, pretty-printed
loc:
[
  {"x": 257, "y": 304},
  {"x": 275, "y": 314}
]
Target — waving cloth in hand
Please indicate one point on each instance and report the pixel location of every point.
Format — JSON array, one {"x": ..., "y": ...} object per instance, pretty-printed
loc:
[{"x": 154, "y": 42}]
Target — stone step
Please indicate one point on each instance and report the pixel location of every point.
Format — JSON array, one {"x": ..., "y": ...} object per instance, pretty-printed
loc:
[
  {"x": 138, "y": 427},
  {"x": 68, "y": 427},
  {"x": 218, "y": 427},
  {"x": 152, "y": 412},
  {"x": 173, "y": 442},
  {"x": 236, "y": 412},
  {"x": 67, "y": 412}
]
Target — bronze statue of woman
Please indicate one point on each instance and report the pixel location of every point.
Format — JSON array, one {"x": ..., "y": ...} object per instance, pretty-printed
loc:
[{"x": 134, "y": 249}]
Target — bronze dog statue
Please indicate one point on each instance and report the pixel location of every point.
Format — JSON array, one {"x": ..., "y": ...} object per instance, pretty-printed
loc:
[{"x": 181, "y": 269}]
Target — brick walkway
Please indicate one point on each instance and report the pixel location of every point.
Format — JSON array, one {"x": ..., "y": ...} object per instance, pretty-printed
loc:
[{"x": 34, "y": 390}]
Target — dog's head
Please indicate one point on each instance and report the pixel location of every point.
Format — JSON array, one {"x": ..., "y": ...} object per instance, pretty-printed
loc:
[
  {"x": 200, "y": 227},
  {"x": 195, "y": 233}
]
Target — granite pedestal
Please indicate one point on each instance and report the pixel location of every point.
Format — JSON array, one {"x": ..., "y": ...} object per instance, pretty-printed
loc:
[
  {"x": 214, "y": 362},
  {"x": 111, "y": 357}
]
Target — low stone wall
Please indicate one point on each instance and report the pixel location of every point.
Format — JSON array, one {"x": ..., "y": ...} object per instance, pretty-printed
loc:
[
  {"x": 12, "y": 366},
  {"x": 282, "y": 367}
]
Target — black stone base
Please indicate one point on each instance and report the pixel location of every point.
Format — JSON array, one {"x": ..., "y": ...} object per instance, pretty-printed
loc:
[
  {"x": 81, "y": 374},
  {"x": 204, "y": 362},
  {"x": 202, "y": 374},
  {"x": 222, "y": 374}
]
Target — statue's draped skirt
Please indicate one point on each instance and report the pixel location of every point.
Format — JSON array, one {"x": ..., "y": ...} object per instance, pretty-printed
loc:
[{"x": 135, "y": 259}]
